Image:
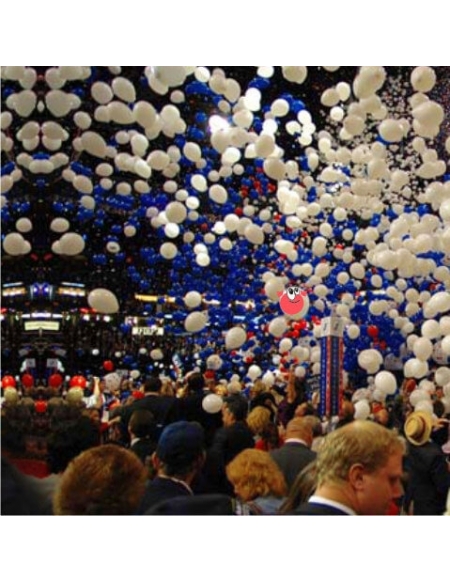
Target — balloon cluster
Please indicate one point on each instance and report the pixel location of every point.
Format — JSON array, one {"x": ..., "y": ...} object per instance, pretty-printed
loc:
[{"x": 234, "y": 193}]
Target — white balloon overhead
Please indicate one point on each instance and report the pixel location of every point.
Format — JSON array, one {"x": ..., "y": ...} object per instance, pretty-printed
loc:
[
  {"x": 273, "y": 198},
  {"x": 103, "y": 301}
]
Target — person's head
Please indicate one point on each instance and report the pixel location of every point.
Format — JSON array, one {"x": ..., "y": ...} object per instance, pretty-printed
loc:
[
  {"x": 301, "y": 427},
  {"x": 180, "y": 450},
  {"x": 382, "y": 416},
  {"x": 258, "y": 419},
  {"x": 11, "y": 397},
  {"x": 303, "y": 487},
  {"x": 418, "y": 427},
  {"x": 71, "y": 433},
  {"x": 105, "y": 480},
  {"x": 439, "y": 408},
  {"x": 74, "y": 397},
  {"x": 141, "y": 424},
  {"x": 347, "y": 410},
  {"x": 256, "y": 388},
  {"x": 195, "y": 382},
  {"x": 234, "y": 409},
  {"x": 254, "y": 473},
  {"x": 152, "y": 385},
  {"x": 362, "y": 463}
]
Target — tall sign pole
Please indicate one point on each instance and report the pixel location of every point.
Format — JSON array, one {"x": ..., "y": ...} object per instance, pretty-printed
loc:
[{"x": 332, "y": 357}]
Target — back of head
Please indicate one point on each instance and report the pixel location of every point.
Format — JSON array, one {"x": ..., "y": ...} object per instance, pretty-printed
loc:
[
  {"x": 142, "y": 423},
  {"x": 238, "y": 406},
  {"x": 195, "y": 382},
  {"x": 301, "y": 428},
  {"x": 71, "y": 433},
  {"x": 254, "y": 473},
  {"x": 152, "y": 385},
  {"x": 258, "y": 419},
  {"x": 361, "y": 442},
  {"x": 105, "y": 480},
  {"x": 180, "y": 447}
]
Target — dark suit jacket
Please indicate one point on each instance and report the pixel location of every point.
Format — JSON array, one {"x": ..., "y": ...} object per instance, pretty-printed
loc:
[
  {"x": 144, "y": 448},
  {"x": 227, "y": 443},
  {"x": 292, "y": 458},
  {"x": 428, "y": 480},
  {"x": 163, "y": 408},
  {"x": 159, "y": 490},
  {"x": 190, "y": 408},
  {"x": 318, "y": 509}
]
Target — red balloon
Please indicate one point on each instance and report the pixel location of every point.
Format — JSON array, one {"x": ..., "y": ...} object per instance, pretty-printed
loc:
[
  {"x": 8, "y": 382},
  {"x": 27, "y": 380},
  {"x": 108, "y": 365},
  {"x": 55, "y": 380},
  {"x": 78, "y": 382},
  {"x": 40, "y": 406},
  {"x": 372, "y": 330}
]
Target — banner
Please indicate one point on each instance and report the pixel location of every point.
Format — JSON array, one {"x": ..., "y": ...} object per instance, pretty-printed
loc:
[{"x": 332, "y": 356}]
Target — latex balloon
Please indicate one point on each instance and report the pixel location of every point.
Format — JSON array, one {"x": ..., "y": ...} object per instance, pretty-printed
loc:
[
  {"x": 103, "y": 301},
  {"x": 212, "y": 403},
  {"x": 27, "y": 380},
  {"x": 108, "y": 365},
  {"x": 235, "y": 337},
  {"x": 78, "y": 381},
  {"x": 55, "y": 380}
]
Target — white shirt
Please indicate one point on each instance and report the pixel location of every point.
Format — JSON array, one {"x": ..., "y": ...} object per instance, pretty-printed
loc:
[{"x": 330, "y": 503}]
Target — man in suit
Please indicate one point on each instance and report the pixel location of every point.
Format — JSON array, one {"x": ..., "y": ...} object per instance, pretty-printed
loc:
[
  {"x": 428, "y": 477},
  {"x": 178, "y": 458},
  {"x": 229, "y": 441},
  {"x": 163, "y": 408},
  {"x": 296, "y": 452},
  {"x": 359, "y": 471},
  {"x": 142, "y": 431}
]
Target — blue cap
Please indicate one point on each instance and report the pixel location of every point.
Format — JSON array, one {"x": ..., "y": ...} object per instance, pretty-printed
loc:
[{"x": 181, "y": 443}]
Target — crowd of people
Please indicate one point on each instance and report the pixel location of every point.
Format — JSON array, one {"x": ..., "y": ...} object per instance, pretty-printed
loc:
[{"x": 210, "y": 447}]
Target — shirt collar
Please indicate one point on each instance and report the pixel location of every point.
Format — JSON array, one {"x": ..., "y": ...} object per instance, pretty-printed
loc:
[
  {"x": 330, "y": 503},
  {"x": 299, "y": 441}
]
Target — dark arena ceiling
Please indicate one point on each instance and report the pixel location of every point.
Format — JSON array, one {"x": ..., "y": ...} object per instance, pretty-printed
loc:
[{"x": 152, "y": 182}]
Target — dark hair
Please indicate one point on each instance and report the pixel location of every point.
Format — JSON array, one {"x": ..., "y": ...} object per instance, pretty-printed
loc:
[
  {"x": 152, "y": 384},
  {"x": 238, "y": 406},
  {"x": 301, "y": 490},
  {"x": 142, "y": 423},
  {"x": 71, "y": 434},
  {"x": 195, "y": 382},
  {"x": 439, "y": 408}
]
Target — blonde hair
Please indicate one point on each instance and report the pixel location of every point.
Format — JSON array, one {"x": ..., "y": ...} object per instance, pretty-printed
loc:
[
  {"x": 11, "y": 396},
  {"x": 256, "y": 474},
  {"x": 74, "y": 396},
  {"x": 359, "y": 442},
  {"x": 258, "y": 419}
]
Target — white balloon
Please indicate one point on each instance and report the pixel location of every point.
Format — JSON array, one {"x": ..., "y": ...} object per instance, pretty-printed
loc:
[
  {"x": 235, "y": 337},
  {"x": 103, "y": 301},
  {"x": 14, "y": 244},
  {"x": 362, "y": 410},
  {"x": 71, "y": 244},
  {"x": 168, "y": 250},
  {"x": 386, "y": 382},
  {"x": 254, "y": 372},
  {"x": 24, "y": 225},
  {"x": 195, "y": 321},
  {"x": 156, "y": 354},
  {"x": 192, "y": 299},
  {"x": 212, "y": 403}
]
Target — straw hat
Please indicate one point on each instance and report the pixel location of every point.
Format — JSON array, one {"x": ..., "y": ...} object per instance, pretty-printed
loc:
[{"x": 418, "y": 427}]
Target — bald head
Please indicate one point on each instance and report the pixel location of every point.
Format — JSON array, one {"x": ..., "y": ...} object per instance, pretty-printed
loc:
[{"x": 301, "y": 428}]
